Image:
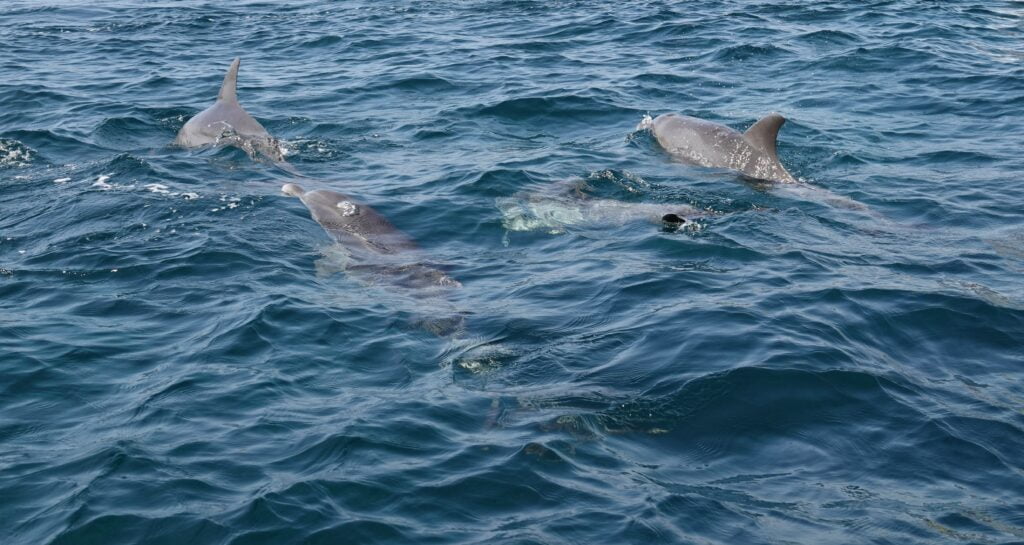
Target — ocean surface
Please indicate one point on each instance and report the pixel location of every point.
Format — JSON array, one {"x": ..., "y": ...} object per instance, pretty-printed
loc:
[{"x": 187, "y": 357}]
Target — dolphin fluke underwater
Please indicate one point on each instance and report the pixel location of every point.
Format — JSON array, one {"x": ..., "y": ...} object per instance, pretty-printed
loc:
[
  {"x": 227, "y": 123},
  {"x": 709, "y": 144},
  {"x": 376, "y": 246}
]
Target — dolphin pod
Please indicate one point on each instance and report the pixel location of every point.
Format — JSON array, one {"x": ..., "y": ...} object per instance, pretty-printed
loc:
[{"x": 374, "y": 241}]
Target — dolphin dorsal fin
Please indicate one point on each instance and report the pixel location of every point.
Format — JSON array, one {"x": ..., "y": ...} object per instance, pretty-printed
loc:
[
  {"x": 763, "y": 134},
  {"x": 227, "y": 90}
]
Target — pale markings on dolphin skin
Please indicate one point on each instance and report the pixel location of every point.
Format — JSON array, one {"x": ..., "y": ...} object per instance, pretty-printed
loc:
[
  {"x": 708, "y": 144},
  {"x": 346, "y": 208}
]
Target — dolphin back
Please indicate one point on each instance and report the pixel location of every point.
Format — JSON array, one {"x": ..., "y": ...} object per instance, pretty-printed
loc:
[
  {"x": 349, "y": 221},
  {"x": 378, "y": 245},
  {"x": 226, "y": 122},
  {"x": 709, "y": 144}
]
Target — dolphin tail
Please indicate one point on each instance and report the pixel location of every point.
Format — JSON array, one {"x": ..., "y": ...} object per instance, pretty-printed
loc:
[
  {"x": 227, "y": 89},
  {"x": 765, "y": 132}
]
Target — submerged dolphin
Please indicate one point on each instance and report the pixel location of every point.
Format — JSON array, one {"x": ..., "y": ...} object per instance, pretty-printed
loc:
[
  {"x": 567, "y": 203},
  {"x": 553, "y": 213},
  {"x": 369, "y": 236},
  {"x": 227, "y": 123},
  {"x": 708, "y": 144}
]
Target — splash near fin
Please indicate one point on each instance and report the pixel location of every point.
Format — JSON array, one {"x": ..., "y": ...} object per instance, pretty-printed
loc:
[
  {"x": 764, "y": 133},
  {"x": 227, "y": 89},
  {"x": 647, "y": 123}
]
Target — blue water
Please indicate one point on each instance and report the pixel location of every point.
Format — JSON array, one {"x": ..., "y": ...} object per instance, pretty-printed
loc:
[{"x": 184, "y": 357}]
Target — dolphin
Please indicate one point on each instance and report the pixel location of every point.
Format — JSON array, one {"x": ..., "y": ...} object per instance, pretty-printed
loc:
[
  {"x": 227, "y": 123},
  {"x": 752, "y": 153},
  {"x": 708, "y": 144},
  {"x": 532, "y": 212},
  {"x": 566, "y": 204},
  {"x": 376, "y": 245}
]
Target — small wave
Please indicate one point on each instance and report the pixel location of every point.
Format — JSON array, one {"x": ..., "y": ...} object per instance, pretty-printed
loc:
[
  {"x": 34, "y": 97},
  {"x": 123, "y": 132},
  {"x": 323, "y": 41},
  {"x": 952, "y": 156},
  {"x": 747, "y": 52},
  {"x": 556, "y": 107},
  {"x": 829, "y": 37},
  {"x": 501, "y": 181},
  {"x": 421, "y": 83},
  {"x": 868, "y": 59}
]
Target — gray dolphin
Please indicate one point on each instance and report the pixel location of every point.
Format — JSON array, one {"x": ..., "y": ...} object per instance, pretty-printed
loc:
[
  {"x": 376, "y": 245},
  {"x": 752, "y": 153},
  {"x": 227, "y": 123},
  {"x": 708, "y": 144}
]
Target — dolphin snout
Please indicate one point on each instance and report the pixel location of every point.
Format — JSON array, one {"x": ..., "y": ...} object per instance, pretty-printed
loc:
[{"x": 294, "y": 190}]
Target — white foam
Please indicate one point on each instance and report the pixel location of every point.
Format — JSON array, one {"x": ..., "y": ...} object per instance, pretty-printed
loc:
[
  {"x": 646, "y": 123},
  {"x": 62, "y": 180},
  {"x": 101, "y": 182},
  {"x": 347, "y": 208},
  {"x": 14, "y": 153},
  {"x": 162, "y": 189}
]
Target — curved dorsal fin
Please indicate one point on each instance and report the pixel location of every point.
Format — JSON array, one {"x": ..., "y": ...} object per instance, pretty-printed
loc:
[
  {"x": 763, "y": 134},
  {"x": 227, "y": 89}
]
